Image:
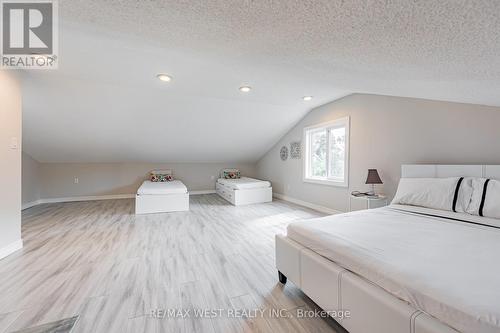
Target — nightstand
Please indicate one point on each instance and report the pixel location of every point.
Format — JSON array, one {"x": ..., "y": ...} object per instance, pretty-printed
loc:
[{"x": 365, "y": 202}]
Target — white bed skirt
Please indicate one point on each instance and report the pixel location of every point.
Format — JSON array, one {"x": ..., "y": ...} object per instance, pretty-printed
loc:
[
  {"x": 334, "y": 288},
  {"x": 148, "y": 204}
]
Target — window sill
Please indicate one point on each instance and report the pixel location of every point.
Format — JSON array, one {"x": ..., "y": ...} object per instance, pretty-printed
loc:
[{"x": 326, "y": 182}]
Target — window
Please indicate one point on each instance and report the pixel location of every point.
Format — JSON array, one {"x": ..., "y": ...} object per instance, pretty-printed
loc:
[{"x": 327, "y": 153}]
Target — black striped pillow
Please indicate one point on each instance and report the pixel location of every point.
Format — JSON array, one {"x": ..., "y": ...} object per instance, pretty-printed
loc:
[{"x": 486, "y": 198}]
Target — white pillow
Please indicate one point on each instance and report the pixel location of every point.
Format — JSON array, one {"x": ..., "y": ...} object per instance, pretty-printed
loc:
[
  {"x": 491, "y": 205},
  {"x": 435, "y": 193},
  {"x": 477, "y": 194}
]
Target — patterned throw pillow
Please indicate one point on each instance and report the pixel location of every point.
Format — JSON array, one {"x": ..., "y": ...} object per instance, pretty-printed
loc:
[
  {"x": 158, "y": 177},
  {"x": 231, "y": 174}
]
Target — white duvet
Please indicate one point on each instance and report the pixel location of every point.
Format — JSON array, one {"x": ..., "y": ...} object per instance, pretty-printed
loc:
[
  {"x": 159, "y": 188},
  {"x": 446, "y": 268},
  {"x": 244, "y": 183}
]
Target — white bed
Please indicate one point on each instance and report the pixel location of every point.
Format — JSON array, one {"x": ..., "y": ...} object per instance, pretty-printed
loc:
[
  {"x": 244, "y": 190},
  {"x": 162, "y": 188},
  {"x": 161, "y": 197},
  {"x": 401, "y": 268},
  {"x": 244, "y": 183}
]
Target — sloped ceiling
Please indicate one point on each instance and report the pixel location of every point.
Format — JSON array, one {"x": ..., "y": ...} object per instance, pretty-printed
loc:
[{"x": 104, "y": 103}]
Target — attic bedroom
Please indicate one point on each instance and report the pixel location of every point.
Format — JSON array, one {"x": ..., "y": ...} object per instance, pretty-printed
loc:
[{"x": 250, "y": 166}]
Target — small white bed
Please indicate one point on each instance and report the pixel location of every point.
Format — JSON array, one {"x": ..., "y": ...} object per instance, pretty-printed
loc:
[
  {"x": 244, "y": 183},
  {"x": 161, "y": 197},
  {"x": 244, "y": 190},
  {"x": 401, "y": 268}
]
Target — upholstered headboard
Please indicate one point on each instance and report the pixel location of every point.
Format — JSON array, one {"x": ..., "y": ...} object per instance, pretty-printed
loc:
[
  {"x": 452, "y": 170},
  {"x": 161, "y": 172}
]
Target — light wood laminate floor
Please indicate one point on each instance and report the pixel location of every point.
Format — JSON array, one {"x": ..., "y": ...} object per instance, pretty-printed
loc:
[{"x": 99, "y": 261}]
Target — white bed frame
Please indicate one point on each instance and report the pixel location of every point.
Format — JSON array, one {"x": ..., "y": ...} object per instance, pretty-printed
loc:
[
  {"x": 334, "y": 288},
  {"x": 161, "y": 203},
  {"x": 246, "y": 196}
]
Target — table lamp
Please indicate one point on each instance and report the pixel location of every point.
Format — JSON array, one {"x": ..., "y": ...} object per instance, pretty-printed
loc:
[{"x": 372, "y": 179}]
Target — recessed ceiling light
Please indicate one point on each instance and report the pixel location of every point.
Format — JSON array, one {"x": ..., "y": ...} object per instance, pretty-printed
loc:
[
  {"x": 245, "y": 88},
  {"x": 164, "y": 77},
  {"x": 307, "y": 98}
]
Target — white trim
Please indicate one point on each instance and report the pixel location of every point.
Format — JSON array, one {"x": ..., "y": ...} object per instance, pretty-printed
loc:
[
  {"x": 96, "y": 197},
  {"x": 311, "y": 205},
  {"x": 30, "y": 204},
  {"x": 202, "y": 192},
  {"x": 73, "y": 199},
  {"x": 89, "y": 198},
  {"x": 11, "y": 248},
  {"x": 340, "y": 122},
  {"x": 329, "y": 182}
]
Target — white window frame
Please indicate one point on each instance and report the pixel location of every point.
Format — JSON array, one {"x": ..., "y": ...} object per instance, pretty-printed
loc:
[{"x": 341, "y": 122}]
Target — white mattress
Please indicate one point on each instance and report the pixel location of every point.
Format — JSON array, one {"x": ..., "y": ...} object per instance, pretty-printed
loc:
[
  {"x": 244, "y": 183},
  {"x": 158, "y": 188},
  {"x": 446, "y": 268}
]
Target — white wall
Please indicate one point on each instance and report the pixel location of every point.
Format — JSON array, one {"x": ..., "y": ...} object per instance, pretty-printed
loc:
[
  {"x": 10, "y": 164},
  {"x": 31, "y": 180},
  {"x": 385, "y": 133},
  {"x": 96, "y": 179}
]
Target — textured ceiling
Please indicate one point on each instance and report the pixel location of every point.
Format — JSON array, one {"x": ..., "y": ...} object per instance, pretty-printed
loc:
[{"x": 103, "y": 104}]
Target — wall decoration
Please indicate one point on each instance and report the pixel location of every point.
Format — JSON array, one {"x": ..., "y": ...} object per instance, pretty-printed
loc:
[
  {"x": 295, "y": 149},
  {"x": 284, "y": 153}
]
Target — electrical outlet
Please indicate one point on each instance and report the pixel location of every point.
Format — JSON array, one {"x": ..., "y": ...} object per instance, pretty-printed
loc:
[
  {"x": 76, "y": 180},
  {"x": 212, "y": 177}
]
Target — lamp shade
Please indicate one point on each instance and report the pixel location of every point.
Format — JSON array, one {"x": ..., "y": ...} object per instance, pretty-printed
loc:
[{"x": 373, "y": 177}]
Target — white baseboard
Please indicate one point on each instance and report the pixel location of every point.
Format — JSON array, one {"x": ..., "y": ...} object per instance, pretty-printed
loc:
[
  {"x": 30, "y": 204},
  {"x": 202, "y": 192},
  {"x": 11, "y": 248},
  {"x": 81, "y": 198},
  {"x": 89, "y": 198},
  {"x": 299, "y": 202},
  {"x": 96, "y": 197}
]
